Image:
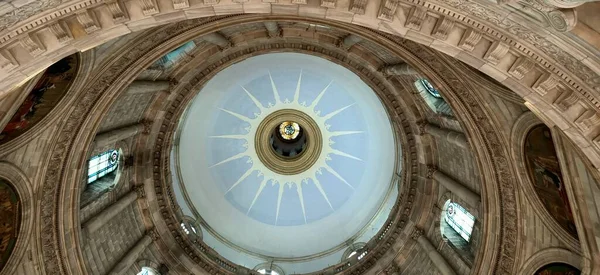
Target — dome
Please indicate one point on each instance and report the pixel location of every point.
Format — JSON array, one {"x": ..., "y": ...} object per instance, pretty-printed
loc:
[{"x": 255, "y": 196}]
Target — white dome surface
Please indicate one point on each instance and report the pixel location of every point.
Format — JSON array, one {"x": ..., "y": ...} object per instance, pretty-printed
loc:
[{"x": 276, "y": 215}]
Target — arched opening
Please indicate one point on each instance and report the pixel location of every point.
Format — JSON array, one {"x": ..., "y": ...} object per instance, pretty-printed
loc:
[
  {"x": 545, "y": 174},
  {"x": 191, "y": 228},
  {"x": 41, "y": 100},
  {"x": 456, "y": 226},
  {"x": 10, "y": 219},
  {"x": 148, "y": 271},
  {"x": 355, "y": 249},
  {"x": 168, "y": 61},
  {"x": 102, "y": 175},
  {"x": 269, "y": 269},
  {"x": 558, "y": 269},
  {"x": 433, "y": 98}
]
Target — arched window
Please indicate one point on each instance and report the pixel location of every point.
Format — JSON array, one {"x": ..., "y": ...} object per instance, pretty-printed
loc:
[
  {"x": 269, "y": 269},
  {"x": 102, "y": 165},
  {"x": 459, "y": 219},
  {"x": 432, "y": 97},
  {"x": 558, "y": 268},
  {"x": 355, "y": 249},
  {"x": 148, "y": 271}
]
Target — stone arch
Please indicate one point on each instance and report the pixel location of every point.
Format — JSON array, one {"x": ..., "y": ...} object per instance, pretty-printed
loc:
[
  {"x": 524, "y": 124},
  {"x": 71, "y": 140},
  {"x": 479, "y": 34},
  {"x": 17, "y": 181},
  {"x": 548, "y": 256},
  {"x": 83, "y": 66}
]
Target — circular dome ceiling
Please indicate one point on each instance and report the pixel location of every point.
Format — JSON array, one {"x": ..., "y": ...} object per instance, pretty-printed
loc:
[{"x": 285, "y": 155}]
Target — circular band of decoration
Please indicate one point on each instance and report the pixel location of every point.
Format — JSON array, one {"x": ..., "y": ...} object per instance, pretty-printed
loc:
[{"x": 286, "y": 165}]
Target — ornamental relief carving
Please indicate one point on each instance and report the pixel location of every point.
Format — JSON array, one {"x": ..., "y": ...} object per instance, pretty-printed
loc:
[{"x": 19, "y": 14}]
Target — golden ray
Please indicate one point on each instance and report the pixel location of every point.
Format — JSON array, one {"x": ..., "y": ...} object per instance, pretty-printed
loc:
[
  {"x": 241, "y": 117},
  {"x": 328, "y": 168},
  {"x": 318, "y": 185},
  {"x": 301, "y": 197},
  {"x": 275, "y": 92},
  {"x": 260, "y": 189},
  {"x": 237, "y": 156},
  {"x": 256, "y": 102},
  {"x": 297, "y": 93},
  {"x": 316, "y": 101},
  {"x": 242, "y": 178},
  {"x": 230, "y": 136},
  {"x": 281, "y": 185},
  {"x": 340, "y": 153},
  {"x": 332, "y": 114},
  {"x": 343, "y": 133}
]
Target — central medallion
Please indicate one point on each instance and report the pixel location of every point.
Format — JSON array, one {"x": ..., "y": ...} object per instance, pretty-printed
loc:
[
  {"x": 289, "y": 130},
  {"x": 288, "y": 141}
]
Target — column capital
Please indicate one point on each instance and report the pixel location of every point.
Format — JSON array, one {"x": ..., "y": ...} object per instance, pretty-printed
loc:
[
  {"x": 152, "y": 233},
  {"x": 147, "y": 126},
  {"x": 430, "y": 170},
  {"x": 393, "y": 269},
  {"x": 141, "y": 192},
  {"x": 421, "y": 126},
  {"x": 416, "y": 233}
]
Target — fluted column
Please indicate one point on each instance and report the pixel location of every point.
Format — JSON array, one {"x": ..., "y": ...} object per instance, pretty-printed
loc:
[
  {"x": 111, "y": 211},
  {"x": 133, "y": 254},
  {"x": 145, "y": 86},
  {"x": 453, "y": 137},
  {"x": 349, "y": 41},
  {"x": 440, "y": 263},
  {"x": 455, "y": 187},
  {"x": 115, "y": 135},
  {"x": 399, "y": 69},
  {"x": 272, "y": 28},
  {"x": 217, "y": 39}
]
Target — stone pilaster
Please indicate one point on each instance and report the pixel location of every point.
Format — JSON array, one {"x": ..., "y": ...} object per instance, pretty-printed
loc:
[
  {"x": 453, "y": 137},
  {"x": 108, "y": 213},
  {"x": 455, "y": 187},
  {"x": 110, "y": 137},
  {"x": 440, "y": 263},
  {"x": 132, "y": 255}
]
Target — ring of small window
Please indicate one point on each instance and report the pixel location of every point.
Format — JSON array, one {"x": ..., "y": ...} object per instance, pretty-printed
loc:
[
  {"x": 148, "y": 271},
  {"x": 190, "y": 227}
]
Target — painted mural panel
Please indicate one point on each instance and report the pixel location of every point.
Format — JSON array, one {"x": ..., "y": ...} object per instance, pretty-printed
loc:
[
  {"x": 558, "y": 269},
  {"x": 544, "y": 171},
  {"x": 47, "y": 92},
  {"x": 10, "y": 215}
]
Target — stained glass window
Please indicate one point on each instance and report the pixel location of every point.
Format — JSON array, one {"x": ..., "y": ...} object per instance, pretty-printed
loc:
[
  {"x": 460, "y": 220},
  {"x": 102, "y": 165},
  {"x": 429, "y": 88}
]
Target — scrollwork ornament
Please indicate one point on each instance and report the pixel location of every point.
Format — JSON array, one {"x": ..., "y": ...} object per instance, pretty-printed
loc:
[
  {"x": 562, "y": 20},
  {"x": 416, "y": 233}
]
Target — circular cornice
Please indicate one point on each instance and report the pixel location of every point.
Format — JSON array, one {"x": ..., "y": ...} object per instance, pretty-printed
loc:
[
  {"x": 124, "y": 69},
  {"x": 277, "y": 163}
]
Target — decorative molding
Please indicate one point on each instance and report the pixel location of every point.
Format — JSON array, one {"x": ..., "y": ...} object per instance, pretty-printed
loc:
[
  {"x": 521, "y": 67},
  {"x": 565, "y": 100},
  {"x": 61, "y": 31},
  {"x": 88, "y": 20},
  {"x": 545, "y": 83},
  {"x": 32, "y": 44},
  {"x": 415, "y": 17},
  {"x": 7, "y": 60},
  {"x": 117, "y": 11},
  {"x": 328, "y": 3},
  {"x": 302, "y": 2},
  {"x": 269, "y": 1},
  {"x": 358, "y": 6},
  {"x": 387, "y": 10},
  {"x": 149, "y": 7},
  {"x": 182, "y": 4},
  {"x": 152, "y": 233},
  {"x": 588, "y": 120},
  {"x": 442, "y": 28},
  {"x": 496, "y": 52},
  {"x": 469, "y": 39},
  {"x": 141, "y": 193}
]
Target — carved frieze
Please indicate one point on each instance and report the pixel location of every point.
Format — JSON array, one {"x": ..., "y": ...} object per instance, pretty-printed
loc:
[
  {"x": 303, "y": 2},
  {"x": 149, "y": 7},
  {"x": 521, "y": 67},
  {"x": 545, "y": 83},
  {"x": 32, "y": 44},
  {"x": 61, "y": 31},
  {"x": 565, "y": 100},
  {"x": 182, "y": 4},
  {"x": 25, "y": 11},
  {"x": 88, "y": 21},
  {"x": 469, "y": 39},
  {"x": 328, "y": 3},
  {"x": 7, "y": 61},
  {"x": 117, "y": 11},
  {"x": 442, "y": 28},
  {"x": 387, "y": 10},
  {"x": 588, "y": 121},
  {"x": 415, "y": 17},
  {"x": 496, "y": 52},
  {"x": 358, "y": 6}
]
